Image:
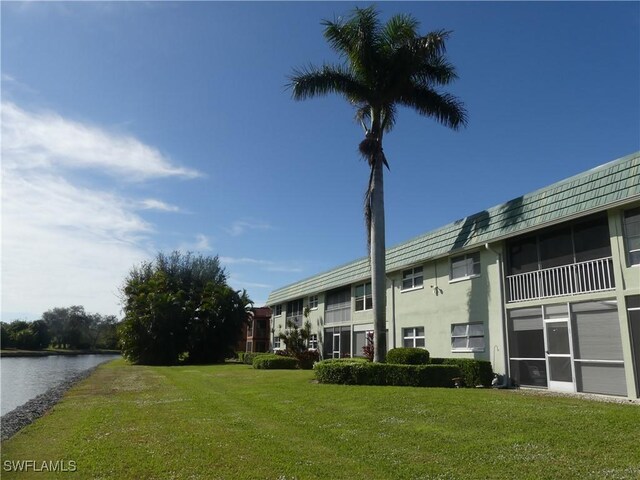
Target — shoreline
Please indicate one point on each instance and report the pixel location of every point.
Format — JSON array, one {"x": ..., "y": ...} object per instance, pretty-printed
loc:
[
  {"x": 18, "y": 418},
  {"x": 47, "y": 353}
]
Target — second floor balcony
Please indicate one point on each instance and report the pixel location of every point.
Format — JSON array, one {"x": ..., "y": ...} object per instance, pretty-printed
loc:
[{"x": 573, "y": 279}]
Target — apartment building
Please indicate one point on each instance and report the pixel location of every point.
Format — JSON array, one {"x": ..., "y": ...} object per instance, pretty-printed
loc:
[
  {"x": 545, "y": 286},
  {"x": 256, "y": 336}
]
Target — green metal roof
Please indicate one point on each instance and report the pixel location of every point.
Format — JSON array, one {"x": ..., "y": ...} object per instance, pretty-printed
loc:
[{"x": 594, "y": 190}]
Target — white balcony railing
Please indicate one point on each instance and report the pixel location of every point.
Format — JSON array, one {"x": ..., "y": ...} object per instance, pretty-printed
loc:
[{"x": 573, "y": 279}]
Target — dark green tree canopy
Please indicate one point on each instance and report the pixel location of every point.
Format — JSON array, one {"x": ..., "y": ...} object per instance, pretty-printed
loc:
[{"x": 179, "y": 307}]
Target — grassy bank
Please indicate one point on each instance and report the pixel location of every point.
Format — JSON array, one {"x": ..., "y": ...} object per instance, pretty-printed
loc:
[{"x": 233, "y": 422}]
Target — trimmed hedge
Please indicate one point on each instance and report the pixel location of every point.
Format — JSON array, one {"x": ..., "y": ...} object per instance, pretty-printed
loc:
[
  {"x": 274, "y": 362},
  {"x": 368, "y": 373},
  {"x": 473, "y": 372},
  {"x": 408, "y": 356}
]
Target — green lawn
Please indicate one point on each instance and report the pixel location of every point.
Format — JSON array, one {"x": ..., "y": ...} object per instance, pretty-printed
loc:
[{"x": 233, "y": 422}]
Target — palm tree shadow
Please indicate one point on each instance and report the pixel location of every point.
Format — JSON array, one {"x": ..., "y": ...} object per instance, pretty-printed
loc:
[
  {"x": 511, "y": 213},
  {"x": 472, "y": 226}
]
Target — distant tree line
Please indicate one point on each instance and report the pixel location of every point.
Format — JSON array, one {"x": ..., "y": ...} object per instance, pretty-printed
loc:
[{"x": 67, "y": 328}]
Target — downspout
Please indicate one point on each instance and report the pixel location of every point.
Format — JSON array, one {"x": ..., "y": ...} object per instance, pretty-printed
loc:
[
  {"x": 500, "y": 264},
  {"x": 393, "y": 313}
]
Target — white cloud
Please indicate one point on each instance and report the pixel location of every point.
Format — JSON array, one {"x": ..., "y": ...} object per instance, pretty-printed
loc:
[
  {"x": 45, "y": 140},
  {"x": 64, "y": 243},
  {"x": 153, "y": 204},
  {"x": 201, "y": 243},
  {"x": 241, "y": 226}
]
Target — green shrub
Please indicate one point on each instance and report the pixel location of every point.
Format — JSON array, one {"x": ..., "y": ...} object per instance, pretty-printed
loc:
[
  {"x": 473, "y": 372},
  {"x": 274, "y": 362},
  {"x": 408, "y": 356},
  {"x": 367, "y": 373},
  {"x": 248, "y": 357}
]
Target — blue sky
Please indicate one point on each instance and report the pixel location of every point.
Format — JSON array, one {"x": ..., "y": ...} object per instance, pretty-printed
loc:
[{"x": 133, "y": 128}]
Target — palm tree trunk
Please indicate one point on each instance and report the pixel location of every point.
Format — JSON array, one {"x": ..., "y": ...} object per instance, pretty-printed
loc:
[{"x": 377, "y": 258}]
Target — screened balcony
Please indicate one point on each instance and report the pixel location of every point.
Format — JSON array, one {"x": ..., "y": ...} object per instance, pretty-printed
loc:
[
  {"x": 573, "y": 259},
  {"x": 574, "y": 279}
]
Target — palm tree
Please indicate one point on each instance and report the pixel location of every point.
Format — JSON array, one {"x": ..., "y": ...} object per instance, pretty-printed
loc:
[{"x": 384, "y": 66}]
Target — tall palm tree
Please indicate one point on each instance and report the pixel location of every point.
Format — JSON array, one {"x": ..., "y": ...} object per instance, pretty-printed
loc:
[{"x": 383, "y": 67}]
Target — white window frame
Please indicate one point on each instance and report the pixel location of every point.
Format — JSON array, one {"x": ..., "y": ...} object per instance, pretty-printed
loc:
[
  {"x": 412, "y": 274},
  {"x": 277, "y": 310},
  {"x": 364, "y": 298},
  {"x": 313, "y": 341},
  {"x": 467, "y": 336},
  {"x": 627, "y": 248},
  {"x": 471, "y": 262},
  {"x": 313, "y": 302},
  {"x": 411, "y": 333},
  {"x": 277, "y": 342}
]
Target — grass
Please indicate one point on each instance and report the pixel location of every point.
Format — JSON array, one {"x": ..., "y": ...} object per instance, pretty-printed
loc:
[{"x": 234, "y": 422}]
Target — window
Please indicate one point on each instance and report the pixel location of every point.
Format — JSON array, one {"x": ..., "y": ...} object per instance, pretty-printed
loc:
[
  {"x": 412, "y": 278},
  {"x": 276, "y": 342},
  {"x": 250, "y": 329},
  {"x": 467, "y": 337},
  {"x": 249, "y": 347},
  {"x": 337, "y": 306},
  {"x": 313, "y": 341},
  {"x": 294, "y": 312},
  {"x": 277, "y": 310},
  {"x": 363, "y": 297},
  {"x": 261, "y": 328},
  {"x": 465, "y": 266},
  {"x": 313, "y": 302},
  {"x": 632, "y": 235},
  {"x": 413, "y": 337}
]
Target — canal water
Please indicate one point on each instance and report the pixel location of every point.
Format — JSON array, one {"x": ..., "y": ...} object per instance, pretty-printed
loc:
[{"x": 23, "y": 378}]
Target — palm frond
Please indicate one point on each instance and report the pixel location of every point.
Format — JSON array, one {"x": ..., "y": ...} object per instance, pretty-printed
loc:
[
  {"x": 363, "y": 115},
  {"x": 357, "y": 38},
  {"x": 436, "y": 71},
  {"x": 442, "y": 107},
  {"x": 400, "y": 30},
  {"x": 433, "y": 44},
  {"x": 388, "y": 118},
  {"x": 309, "y": 82},
  {"x": 342, "y": 37}
]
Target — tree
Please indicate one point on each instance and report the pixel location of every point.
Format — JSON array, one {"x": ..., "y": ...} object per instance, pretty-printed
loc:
[
  {"x": 179, "y": 306},
  {"x": 384, "y": 67},
  {"x": 26, "y": 335}
]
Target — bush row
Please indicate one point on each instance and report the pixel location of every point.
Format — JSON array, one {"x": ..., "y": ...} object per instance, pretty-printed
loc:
[
  {"x": 473, "y": 372},
  {"x": 366, "y": 373},
  {"x": 274, "y": 362}
]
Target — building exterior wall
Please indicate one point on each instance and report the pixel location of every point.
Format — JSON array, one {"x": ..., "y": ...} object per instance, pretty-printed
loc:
[{"x": 434, "y": 313}]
